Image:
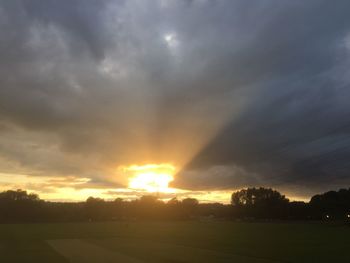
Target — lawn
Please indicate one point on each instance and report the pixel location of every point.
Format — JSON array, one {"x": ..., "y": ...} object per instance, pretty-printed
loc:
[{"x": 174, "y": 242}]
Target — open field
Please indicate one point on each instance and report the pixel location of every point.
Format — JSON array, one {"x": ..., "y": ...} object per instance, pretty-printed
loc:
[{"x": 174, "y": 242}]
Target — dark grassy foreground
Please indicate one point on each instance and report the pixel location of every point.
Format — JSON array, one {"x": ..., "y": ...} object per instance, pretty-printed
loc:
[{"x": 183, "y": 241}]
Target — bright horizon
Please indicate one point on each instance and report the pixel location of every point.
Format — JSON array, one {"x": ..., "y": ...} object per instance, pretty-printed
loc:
[{"x": 141, "y": 183}]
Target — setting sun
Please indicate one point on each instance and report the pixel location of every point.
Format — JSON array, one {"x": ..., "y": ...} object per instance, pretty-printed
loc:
[{"x": 151, "y": 177}]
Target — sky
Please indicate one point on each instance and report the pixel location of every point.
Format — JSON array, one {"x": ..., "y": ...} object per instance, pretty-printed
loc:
[{"x": 228, "y": 94}]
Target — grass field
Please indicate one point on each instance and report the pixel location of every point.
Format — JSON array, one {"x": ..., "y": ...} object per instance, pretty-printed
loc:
[{"x": 174, "y": 242}]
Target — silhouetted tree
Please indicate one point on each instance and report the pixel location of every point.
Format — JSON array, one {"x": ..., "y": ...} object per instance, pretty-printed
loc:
[
  {"x": 189, "y": 206},
  {"x": 18, "y": 206},
  {"x": 259, "y": 203},
  {"x": 95, "y": 208},
  {"x": 331, "y": 205},
  {"x": 173, "y": 202}
]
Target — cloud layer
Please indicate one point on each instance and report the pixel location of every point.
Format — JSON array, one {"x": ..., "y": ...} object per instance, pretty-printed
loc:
[{"x": 234, "y": 93}]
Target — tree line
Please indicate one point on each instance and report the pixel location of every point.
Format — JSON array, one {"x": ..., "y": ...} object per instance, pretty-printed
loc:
[{"x": 246, "y": 204}]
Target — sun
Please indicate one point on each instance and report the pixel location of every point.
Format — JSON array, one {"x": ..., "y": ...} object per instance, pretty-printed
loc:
[
  {"x": 171, "y": 40},
  {"x": 151, "y": 182},
  {"x": 151, "y": 177}
]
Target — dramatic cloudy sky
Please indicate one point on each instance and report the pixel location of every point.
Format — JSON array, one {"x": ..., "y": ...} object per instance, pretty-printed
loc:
[{"x": 233, "y": 93}]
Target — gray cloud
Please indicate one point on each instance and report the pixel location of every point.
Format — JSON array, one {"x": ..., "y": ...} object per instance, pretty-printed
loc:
[{"x": 245, "y": 93}]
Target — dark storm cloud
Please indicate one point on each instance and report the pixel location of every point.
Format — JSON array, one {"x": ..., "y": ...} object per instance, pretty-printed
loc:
[
  {"x": 91, "y": 84},
  {"x": 295, "y": 130}
]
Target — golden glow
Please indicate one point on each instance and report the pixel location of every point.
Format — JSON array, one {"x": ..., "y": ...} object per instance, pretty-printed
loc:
[
  {"x": 151, "y": 177},
  {"x": 142, "y": 179}
]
